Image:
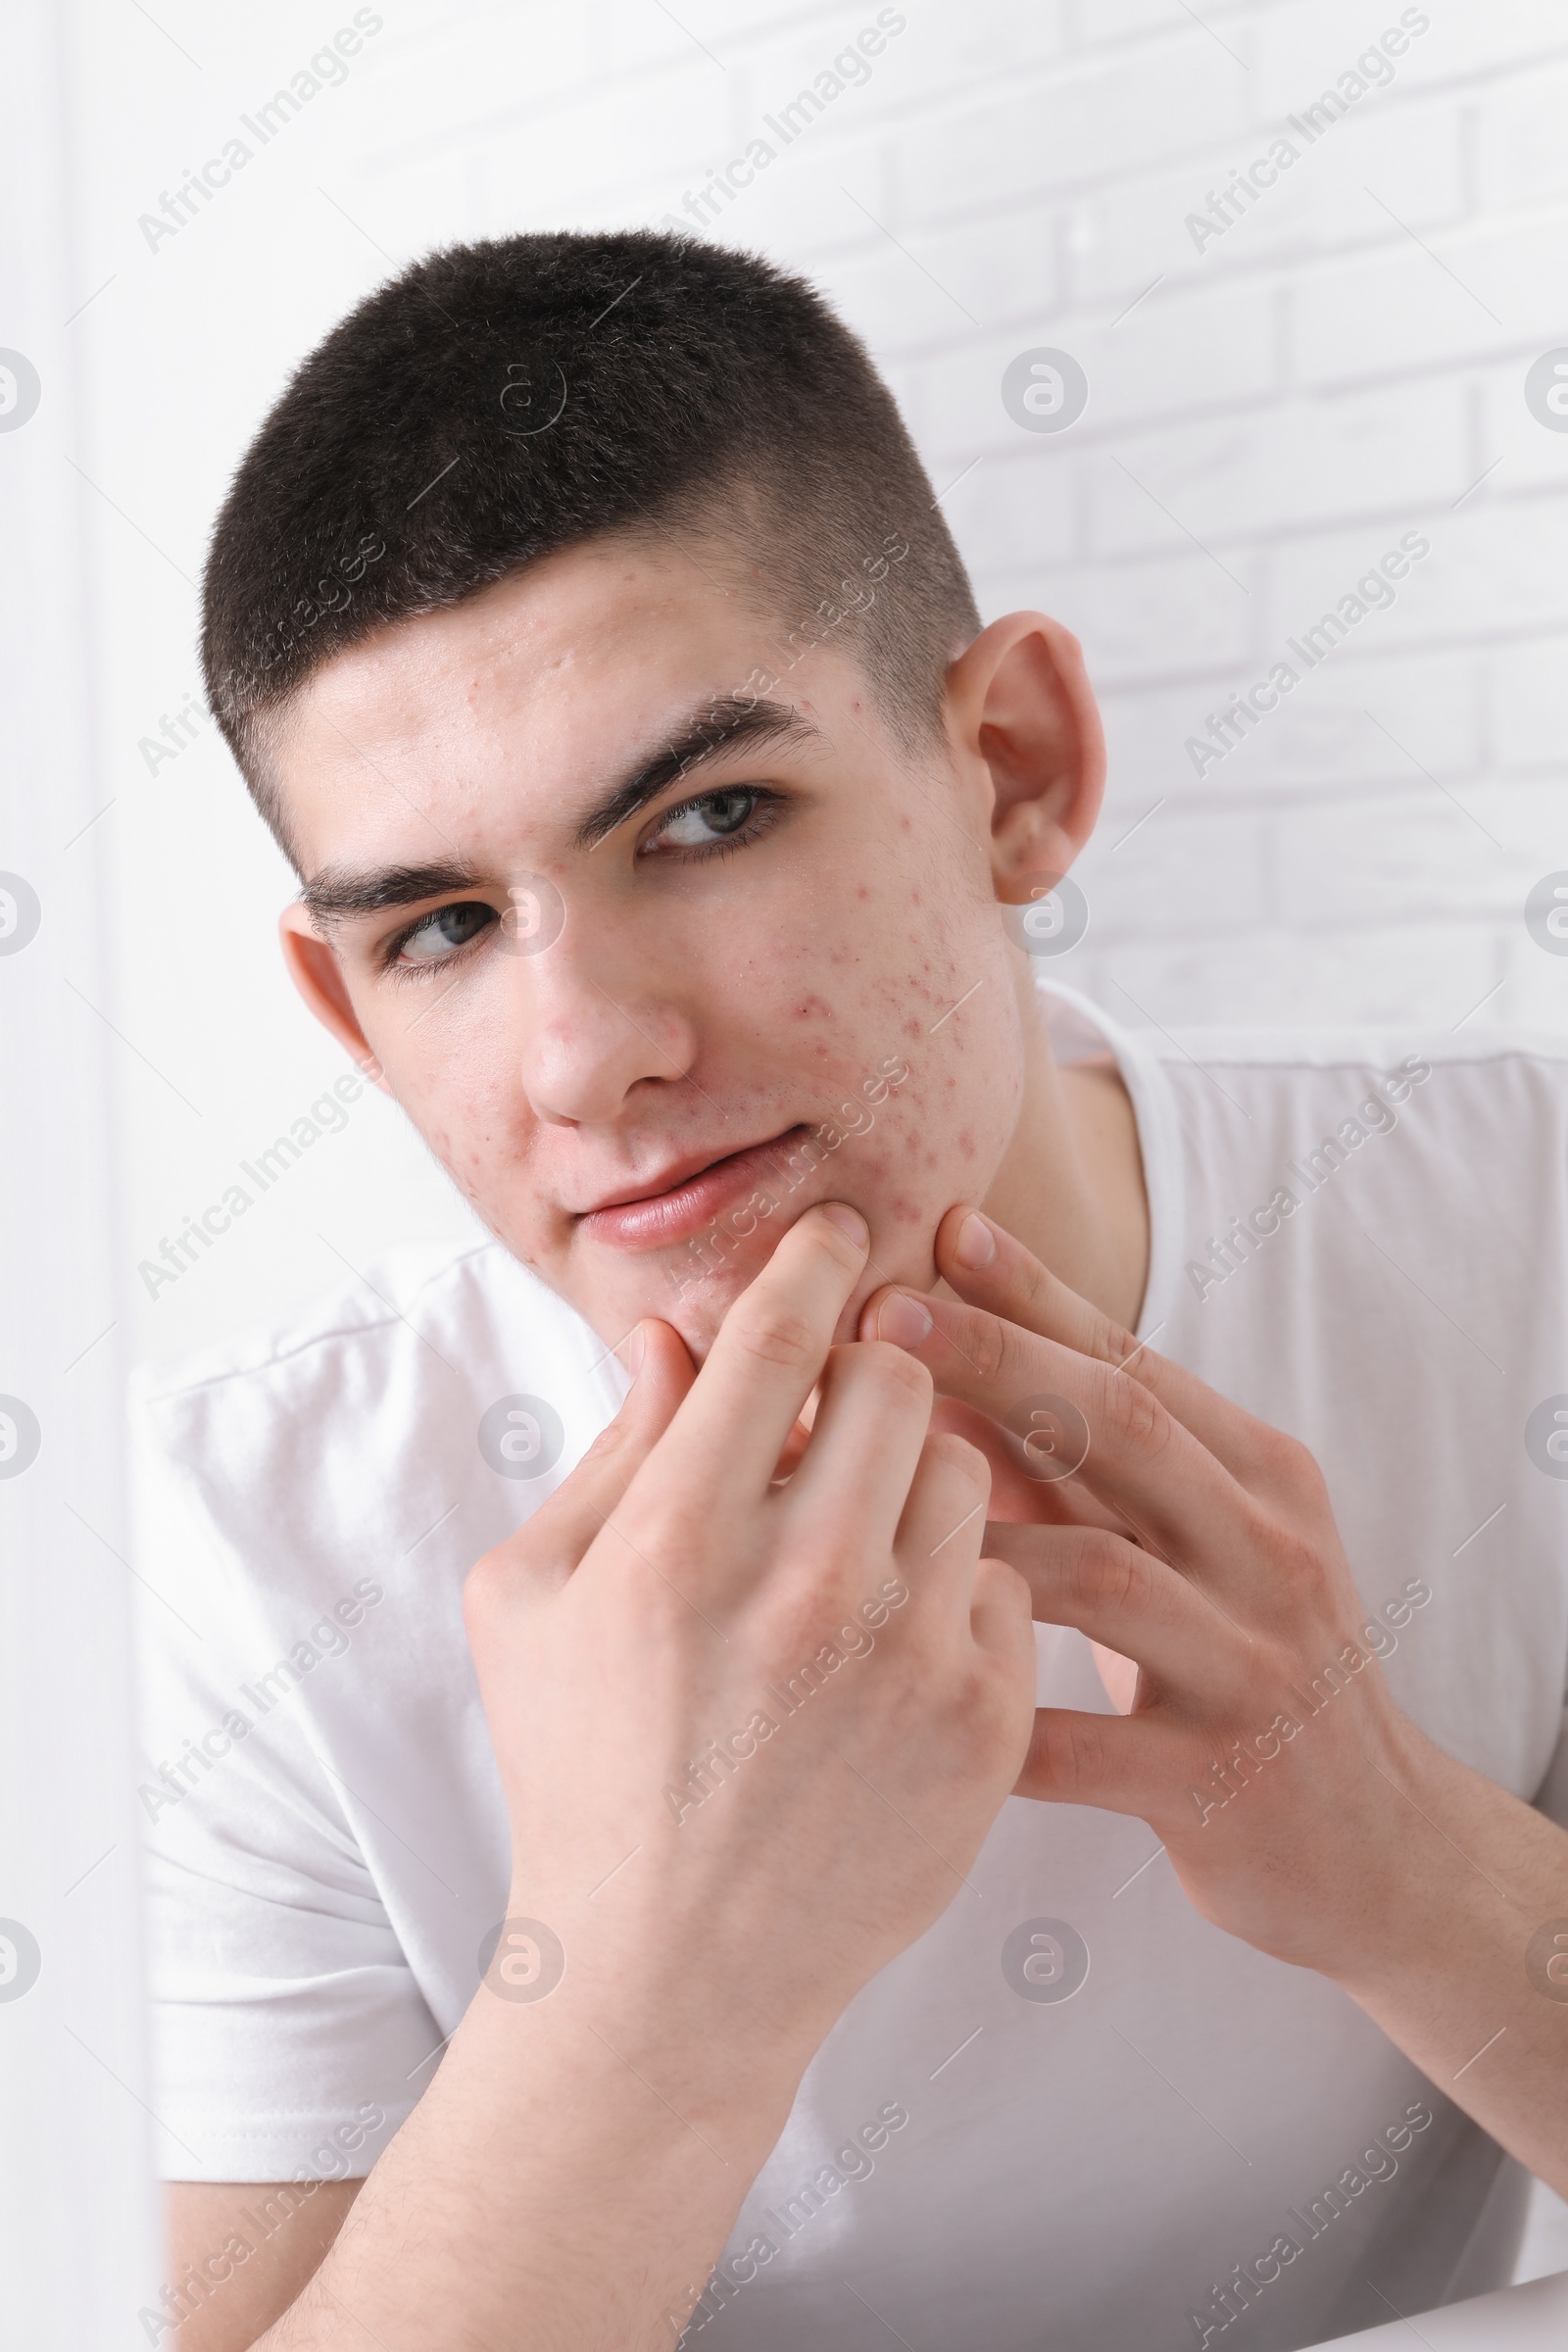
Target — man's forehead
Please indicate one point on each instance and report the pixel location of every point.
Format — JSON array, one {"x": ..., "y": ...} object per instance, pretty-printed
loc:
[
  {"x": 576, "y": 672},
  {"x": 537, "y": 635}
]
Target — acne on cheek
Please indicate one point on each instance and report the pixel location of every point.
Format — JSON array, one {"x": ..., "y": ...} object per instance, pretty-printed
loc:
[
  {"x": 484, "y": 1146},
  {"x": 892, "y": 1157},
  {"x": 463, "y": 1162},
  {"x": 959, "y": 1109}
]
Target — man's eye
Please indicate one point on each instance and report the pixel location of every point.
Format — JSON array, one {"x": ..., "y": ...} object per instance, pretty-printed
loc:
[
  {"x": 439, "y": 934},
  {"x": 703, "y": 824}
]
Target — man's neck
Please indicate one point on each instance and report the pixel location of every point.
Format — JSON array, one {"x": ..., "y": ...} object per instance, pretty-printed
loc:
[{"x": 1070, "y": 1186}]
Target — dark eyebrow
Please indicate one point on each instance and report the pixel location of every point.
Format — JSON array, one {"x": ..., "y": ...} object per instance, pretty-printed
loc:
[
  {"x": 339, "y": 890},
  {"x": 704, "y": 734}
]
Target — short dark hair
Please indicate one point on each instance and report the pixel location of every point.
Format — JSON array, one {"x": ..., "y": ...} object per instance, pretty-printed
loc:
[{"x": 499, "y": 401}]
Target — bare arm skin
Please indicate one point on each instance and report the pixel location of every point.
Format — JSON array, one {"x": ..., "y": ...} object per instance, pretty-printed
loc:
[
  {"x": 232, "y": 2301},
  {"x": 625, "y": 2069},
  {"x": 1301, "y": 1809}
]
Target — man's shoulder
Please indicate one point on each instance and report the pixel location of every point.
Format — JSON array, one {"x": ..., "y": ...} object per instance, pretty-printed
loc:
[
  {"x": 359, "y": 1419},
  {"x": 1503, "y": 1053},
  {"x": 416, "y": 1318},
  {"x": 1496, "y": 1097},
  {"x": 1283, "y": 1064},
  {"x": 363, "y": 1309}
]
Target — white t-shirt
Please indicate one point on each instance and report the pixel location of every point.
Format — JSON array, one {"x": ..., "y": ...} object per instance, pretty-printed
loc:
[{"x": 1195, "y": 2130}]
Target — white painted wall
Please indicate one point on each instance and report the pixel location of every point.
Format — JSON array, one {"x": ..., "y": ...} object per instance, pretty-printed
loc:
[
  {"x": 76, "y": 2200},
  {"x": 1268, "y": 416}
]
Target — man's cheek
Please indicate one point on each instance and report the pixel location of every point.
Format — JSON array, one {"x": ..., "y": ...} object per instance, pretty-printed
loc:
[
  {"x": 898, "y": 1165},
  {"x": 472, "y": 1118}
]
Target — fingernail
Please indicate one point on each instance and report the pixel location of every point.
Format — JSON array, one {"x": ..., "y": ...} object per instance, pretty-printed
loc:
[
  {"x": 976, "y": 1244},
  {"x": 902, "y": 1320},
  {"x": 630, "y": 1349},
  {"x": 848, "y": 1220}
]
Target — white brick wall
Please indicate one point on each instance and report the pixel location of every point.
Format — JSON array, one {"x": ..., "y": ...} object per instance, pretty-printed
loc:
[{"x": 1344, "y": 363}]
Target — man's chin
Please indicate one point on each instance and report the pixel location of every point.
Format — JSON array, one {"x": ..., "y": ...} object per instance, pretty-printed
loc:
[{"x": 694, "y": 1300}]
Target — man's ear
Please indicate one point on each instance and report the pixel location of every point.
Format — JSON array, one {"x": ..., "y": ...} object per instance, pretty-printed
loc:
[
  {"x": 1020, "y": 706},
  {"x": 319, "y": 976}
]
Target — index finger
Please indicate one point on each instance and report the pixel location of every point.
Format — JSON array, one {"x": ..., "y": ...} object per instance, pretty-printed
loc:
[
  {"x": 1012, "y": 1283},
  {"x": 1072, "y": 1414},
  {"x": 552, "y": 1540},
  {"x": 733, "y": 1422}
]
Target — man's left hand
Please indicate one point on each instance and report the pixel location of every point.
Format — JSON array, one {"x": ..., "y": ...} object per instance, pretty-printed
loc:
[
  {"x": 1301, "y": 1809},
  {"x": 1197, "y": 1544}
]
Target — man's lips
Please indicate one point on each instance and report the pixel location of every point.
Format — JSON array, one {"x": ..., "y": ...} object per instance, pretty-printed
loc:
[{"x": 652, "y": 1219}]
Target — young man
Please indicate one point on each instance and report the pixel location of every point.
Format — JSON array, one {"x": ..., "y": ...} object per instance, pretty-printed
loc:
[{"x": 588, "y": 633}]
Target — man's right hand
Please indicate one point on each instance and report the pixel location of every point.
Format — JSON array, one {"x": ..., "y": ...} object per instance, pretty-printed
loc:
[
  {"x": 673, "y": 1958},
  {"x": 673, "y": 1603}
]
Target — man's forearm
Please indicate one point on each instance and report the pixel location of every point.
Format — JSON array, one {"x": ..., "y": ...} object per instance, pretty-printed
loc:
[
  {"x": 1457, "y": 1967},
  {"x": 569, "y": 2179}
]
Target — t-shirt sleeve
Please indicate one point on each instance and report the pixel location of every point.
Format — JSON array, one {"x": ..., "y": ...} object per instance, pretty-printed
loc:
[{"x": 290, "y": 2037}]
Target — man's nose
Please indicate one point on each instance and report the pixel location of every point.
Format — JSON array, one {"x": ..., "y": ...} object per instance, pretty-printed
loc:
[{"x": 587, "y": 1038}]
